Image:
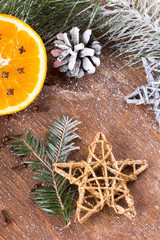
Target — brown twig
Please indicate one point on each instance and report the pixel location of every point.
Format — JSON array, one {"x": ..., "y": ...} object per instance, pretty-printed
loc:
[
  {"x": 20, "y": 166},
  {"x": 35, "y": 186}
]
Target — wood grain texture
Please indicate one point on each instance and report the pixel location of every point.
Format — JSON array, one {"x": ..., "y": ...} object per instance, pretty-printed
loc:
[{"x": 98, "y": 102}]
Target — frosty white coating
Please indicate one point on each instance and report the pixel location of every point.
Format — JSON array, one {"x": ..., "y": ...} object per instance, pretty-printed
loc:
[{"x": 149, "y": 93}]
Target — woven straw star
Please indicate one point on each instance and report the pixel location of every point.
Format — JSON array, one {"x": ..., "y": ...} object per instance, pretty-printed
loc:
[{"x": 102, "y": 180}]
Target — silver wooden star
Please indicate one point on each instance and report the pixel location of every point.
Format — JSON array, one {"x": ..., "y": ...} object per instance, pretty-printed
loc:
[{"x": 149, "y": 93}]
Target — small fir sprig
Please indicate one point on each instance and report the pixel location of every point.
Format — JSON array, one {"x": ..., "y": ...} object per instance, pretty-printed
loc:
[{"x": 55, "y": 196}]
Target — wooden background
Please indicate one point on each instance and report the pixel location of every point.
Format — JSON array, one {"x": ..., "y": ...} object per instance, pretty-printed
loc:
[{"x": 98, "y": 101}]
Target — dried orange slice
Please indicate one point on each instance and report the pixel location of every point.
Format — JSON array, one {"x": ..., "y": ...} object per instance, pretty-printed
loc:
[{"x": 23, "y": 64}]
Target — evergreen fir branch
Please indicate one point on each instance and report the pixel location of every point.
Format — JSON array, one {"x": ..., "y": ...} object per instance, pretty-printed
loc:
[
  {"x": 55, "y": 197},
  {"x": 134, "y": 27},
  {"x": 49, "y": 18}
]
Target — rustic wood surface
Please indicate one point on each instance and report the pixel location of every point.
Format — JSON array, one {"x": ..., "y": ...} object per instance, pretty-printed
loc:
[{"x": 98, "y": 102}]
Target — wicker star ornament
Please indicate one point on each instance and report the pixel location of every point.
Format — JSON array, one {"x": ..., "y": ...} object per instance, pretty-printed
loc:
[{"x": 102, "y": 180}]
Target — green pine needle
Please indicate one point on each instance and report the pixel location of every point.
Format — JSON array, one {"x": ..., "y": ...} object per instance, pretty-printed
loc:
[{"x": 55, "y": 197}]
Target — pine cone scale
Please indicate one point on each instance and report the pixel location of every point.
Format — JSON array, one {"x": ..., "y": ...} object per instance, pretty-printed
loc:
[
  {"x": 79, "y": 47},
  {"x": 86, "y": 36},
  {"x": 72, "y": 62},
  {"x": 74, "y": 32},
  {"x": 56, "y": 52},
  {"x": 88, "y": 66},
  {"x": 87, "y": 52}
]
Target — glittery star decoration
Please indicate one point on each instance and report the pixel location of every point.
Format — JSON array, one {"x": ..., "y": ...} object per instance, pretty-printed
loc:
[
  {"x": 102, "y": 180},
  {"x": 149, "y": 93}
]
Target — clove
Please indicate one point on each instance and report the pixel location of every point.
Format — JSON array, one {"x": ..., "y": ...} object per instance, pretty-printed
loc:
[
  {"x": 5, "y": 218},
  {"x": 4, "y": 141},
  {"x": 20, "y": 166},
  {"x": 35, "y": 186}
]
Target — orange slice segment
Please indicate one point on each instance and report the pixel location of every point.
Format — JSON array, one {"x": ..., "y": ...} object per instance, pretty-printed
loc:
[
  {"x": 23, "y": 64},
  {"x": 7, "y": 32},
  {"x": 26, "y": 70}
]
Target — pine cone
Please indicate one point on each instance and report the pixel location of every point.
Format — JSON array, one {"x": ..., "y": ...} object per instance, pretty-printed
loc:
[{"x": 75, "y": 54}]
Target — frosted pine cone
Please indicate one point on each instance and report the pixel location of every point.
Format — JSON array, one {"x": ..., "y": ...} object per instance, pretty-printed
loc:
[{"x": 76, "y": 54}]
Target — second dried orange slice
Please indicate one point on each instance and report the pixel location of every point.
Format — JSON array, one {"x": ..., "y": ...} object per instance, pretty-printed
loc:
[{"x": 23, "y": 64}]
